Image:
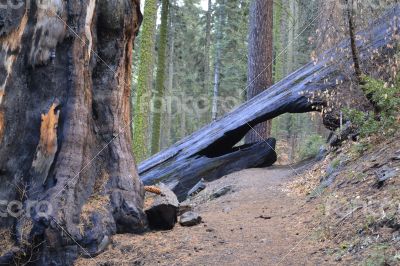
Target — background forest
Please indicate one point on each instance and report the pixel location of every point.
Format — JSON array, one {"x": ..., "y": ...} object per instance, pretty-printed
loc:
[{"x": 193, "y": 59}]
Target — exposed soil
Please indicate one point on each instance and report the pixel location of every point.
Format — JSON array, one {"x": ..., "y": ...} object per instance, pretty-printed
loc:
[{"x": 256, "y": 224}]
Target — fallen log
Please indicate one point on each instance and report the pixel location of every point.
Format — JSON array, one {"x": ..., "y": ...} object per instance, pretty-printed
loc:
[
  {"x": 294, "y": 94},
  {"x": 182, "y": 177}
]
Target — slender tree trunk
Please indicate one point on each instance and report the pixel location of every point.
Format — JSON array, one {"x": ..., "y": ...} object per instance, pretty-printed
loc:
[
  {"x": 285, "y": 37},
  {"x": 160, "y": 78},
  {"x": 145, "y": 76},
  {"x": 183, "y": 123},
  {"x": 260, "y": 59},
  {"x": 277, "y": 37},
  {"x": 216, "y": 86},
  {"x": 168, "y": 114},
  {"x": 290, "y": 60},
  {"x": 217, "y": 65},
  {"x": 207, "y": 49},
  {"x": 65, "y": 129},
  {"x": 290, "y": 65},
  {"x": 354, "y": 50}
]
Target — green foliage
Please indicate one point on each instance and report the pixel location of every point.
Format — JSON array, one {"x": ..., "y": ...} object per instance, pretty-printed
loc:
[
  {"x": 142, "y": 104},
  {"x": 365, "y": 122},
  {"x": 380, "y": 256},
  {"x": 311, "y": 146},
  {"x": 387, "y": 101},
  {"x": 344, "y": 246},
  {"x": 385, "y": 96},
  {"x": 360, "y": 148},
  {"x": 335, "y": 163}
]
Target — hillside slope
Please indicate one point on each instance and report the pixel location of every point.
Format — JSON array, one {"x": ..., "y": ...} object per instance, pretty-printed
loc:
[{"x": 359, "y": 211}]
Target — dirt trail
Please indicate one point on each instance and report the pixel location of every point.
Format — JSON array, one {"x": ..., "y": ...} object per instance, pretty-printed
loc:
[{"x": 257, "y": 224}]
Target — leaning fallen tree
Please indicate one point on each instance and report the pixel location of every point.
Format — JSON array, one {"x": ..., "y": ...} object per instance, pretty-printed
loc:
[
  {"x": 180, "y": 165},
  {"x": 260, "y": 154}
]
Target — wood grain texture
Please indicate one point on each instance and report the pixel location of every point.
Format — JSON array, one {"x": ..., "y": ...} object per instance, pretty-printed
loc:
[{"x": 47, "y": 148}]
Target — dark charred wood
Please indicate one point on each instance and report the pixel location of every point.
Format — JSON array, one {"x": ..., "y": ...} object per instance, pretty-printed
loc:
[
  {"x": 64, "y": 127},
  {"x": 213, "y": 166},
  {"x": 162, "y": 214}
]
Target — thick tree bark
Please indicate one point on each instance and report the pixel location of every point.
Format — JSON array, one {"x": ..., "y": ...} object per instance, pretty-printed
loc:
[
  {"x": 65, "y": 128},
  {"x": 260, "y": 59}
]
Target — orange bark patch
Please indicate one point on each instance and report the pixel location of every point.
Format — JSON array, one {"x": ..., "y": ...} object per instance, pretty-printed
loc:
[
  {"x": 2, "y": 125},
  {"x": 153, "y": 189},
  {"x": 48, "y": 131},
  {"x": 12, "y": 41},
  {"x": 47, "y": 147},
  {"x": 10, "y": 44}
]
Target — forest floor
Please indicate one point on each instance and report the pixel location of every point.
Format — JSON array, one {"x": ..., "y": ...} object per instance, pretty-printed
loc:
[{"x": 283, "y": 216}]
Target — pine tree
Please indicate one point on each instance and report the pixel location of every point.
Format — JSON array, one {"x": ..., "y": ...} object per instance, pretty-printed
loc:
[
  {"x": 260, "y": 74},
  {"x": 167, "y": 121},
  {"x": 217, "y": 64},
  {"x": 159, "y": 92},
  {"x": 145, "y": 75},
  {"x": 207, "y": 47},
  {"x": 277, "y": 37}
]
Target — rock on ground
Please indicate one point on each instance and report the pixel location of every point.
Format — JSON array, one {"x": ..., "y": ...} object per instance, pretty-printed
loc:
[
  {"x": 222, "y": 192},
  {"x": 183, "y": 208},
  {"x": 190, "y": 219},
  {"x": 162, "y": 210},
  {"x": 197, "y": 188}
]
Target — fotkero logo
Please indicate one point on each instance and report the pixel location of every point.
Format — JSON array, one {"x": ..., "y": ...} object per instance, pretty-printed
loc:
[
  {"x": 41, "y": 4},
  {"x": 368, "y": 207},
  {"x": 189, "y": 104},
  {"x": 29, "y": 208}
]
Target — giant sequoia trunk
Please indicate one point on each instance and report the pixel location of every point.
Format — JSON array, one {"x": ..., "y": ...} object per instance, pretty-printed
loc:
[{"x": 65, "y": 128}]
